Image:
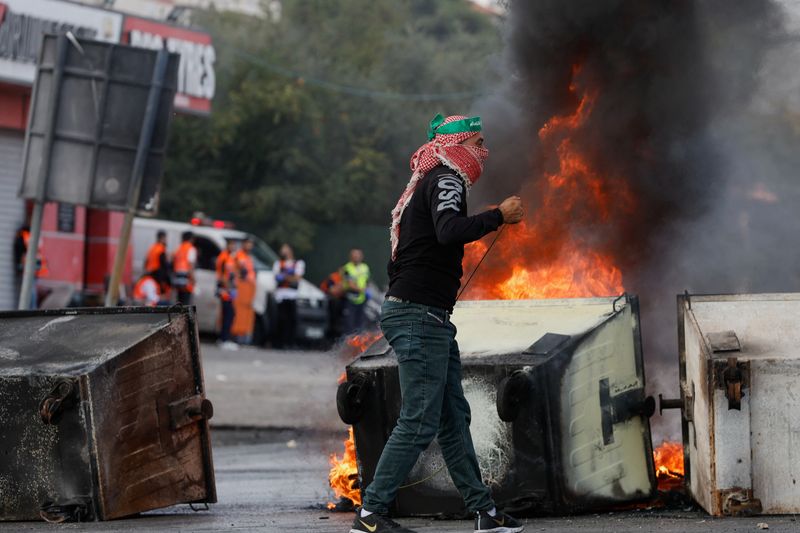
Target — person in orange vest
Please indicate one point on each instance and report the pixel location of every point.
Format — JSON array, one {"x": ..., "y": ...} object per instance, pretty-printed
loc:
[
  {"x": 156, "y": 263},
  {"x": 147, "y": 291},
  {"x": 226, "y": 292},
  {"x": 245, "y": 318},
  {"x": 288, "y": 273},
  {"x": 21, "y": 241},
  {"x": 333, "y": 287},
  {"x": 183, "y": 261}
]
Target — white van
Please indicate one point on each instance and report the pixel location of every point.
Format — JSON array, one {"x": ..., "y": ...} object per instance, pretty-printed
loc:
[{"x": 312, "y": 309}]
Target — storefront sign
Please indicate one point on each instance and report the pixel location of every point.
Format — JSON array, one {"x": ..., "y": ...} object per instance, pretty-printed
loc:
[
  {"x": 196, "y": 79},
  {"x": 23, "y": 22}
]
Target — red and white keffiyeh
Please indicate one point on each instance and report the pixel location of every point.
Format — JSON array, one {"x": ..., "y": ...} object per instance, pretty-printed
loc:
[{"x": 445, "y": 149}]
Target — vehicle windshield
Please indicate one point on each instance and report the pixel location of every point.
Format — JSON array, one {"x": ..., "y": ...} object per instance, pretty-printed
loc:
[{"x": 263, "y": 255}]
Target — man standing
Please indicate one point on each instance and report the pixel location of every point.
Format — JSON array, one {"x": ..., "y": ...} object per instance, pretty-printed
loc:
[
  {"x": 156, "y": 263},
  {"x": 183, "y": 262},
  {"x": 355, "y": 276},
  {"x": 429, "y": 229},
  {"x": 226, "y": 292},
  {"x": 245, "y": 316},
  {"x": 288, "y": 273}
]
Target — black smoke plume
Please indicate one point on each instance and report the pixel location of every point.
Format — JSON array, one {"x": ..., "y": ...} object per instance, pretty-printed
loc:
[{"x": 693, "y": 115}]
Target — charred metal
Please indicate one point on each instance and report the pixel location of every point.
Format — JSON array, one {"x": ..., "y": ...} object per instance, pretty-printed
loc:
[{"x": 103, "y": 412}]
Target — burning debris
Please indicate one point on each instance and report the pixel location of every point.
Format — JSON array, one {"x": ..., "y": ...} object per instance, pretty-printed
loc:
[
  {"x": 560, "y": 390},
  {"x": 615, "y": 100},
  {"x": 356, "y": 343},
  {"x": 565, "y": 265},
  {"x": 668, "y": 459},
  {"x": 343, "y": 477},
  {"x": 620, "y": 103},
  {"x": 626, "y": 125}
]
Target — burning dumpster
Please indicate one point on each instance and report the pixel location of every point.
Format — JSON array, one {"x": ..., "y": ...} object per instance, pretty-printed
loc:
[
  {"x": 560, "y": 420},
  {"x": 739, "y": 368},
  {"x": 103, "y": 413}
]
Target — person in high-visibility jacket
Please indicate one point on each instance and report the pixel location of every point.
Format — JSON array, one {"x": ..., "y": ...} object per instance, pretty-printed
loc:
[
  {"x": 355, "y": 276},
  {"x": 156, "y": 263},
  {"x": 183, "y": 261},
  {"x": 245, "y": 317},
  {"x": 21, "y": 242},
  {"x": 226, "y": 292},
  {"x": 147, "y": 291}
]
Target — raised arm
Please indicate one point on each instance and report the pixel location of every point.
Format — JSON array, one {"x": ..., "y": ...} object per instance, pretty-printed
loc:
[{"x": 447, "y": 199}]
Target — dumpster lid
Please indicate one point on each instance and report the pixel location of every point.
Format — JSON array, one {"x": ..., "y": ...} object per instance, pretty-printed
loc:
[
  {"x": 527, "y": 328},
  {"x": 495, "y": 327},
  {"x": 754, "y": 326},
  {"x": 53, "y": 341}
]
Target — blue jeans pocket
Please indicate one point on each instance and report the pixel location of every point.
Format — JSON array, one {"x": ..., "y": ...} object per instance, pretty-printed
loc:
[{"x": 405, "y": 335}]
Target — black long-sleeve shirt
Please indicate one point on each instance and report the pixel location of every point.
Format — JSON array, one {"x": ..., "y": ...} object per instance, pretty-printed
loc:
[{"x": 433, "y": 231}]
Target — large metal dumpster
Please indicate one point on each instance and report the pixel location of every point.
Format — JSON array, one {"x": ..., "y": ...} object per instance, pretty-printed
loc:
[
  {"x": 559, "y": 414},
  {"x": 103, "y": 413},
  {"x": 739, "y": 371}
]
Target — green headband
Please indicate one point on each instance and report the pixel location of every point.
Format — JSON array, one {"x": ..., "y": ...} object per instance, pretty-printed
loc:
[{"x": 458, "y": 126}]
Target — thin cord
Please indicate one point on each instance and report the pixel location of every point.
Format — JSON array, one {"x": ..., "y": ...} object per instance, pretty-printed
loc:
[
  {"x": 489, "y": 249},
  {"x": 420, "y": 481}
]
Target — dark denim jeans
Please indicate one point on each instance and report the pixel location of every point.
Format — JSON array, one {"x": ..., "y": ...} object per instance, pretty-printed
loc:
[
  {"x": 228, "y": 314},
  {"x": 354, "y": 316},
  {"x": 433, "y": 406}
]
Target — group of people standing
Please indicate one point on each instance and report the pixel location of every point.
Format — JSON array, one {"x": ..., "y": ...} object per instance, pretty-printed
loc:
[
  {"x": 171, "y": 277},
  {"x": 164, "y": 276},
  {"x": 168, "y": 275}
]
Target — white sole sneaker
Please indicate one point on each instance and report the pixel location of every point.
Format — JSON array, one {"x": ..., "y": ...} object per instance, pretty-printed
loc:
[{"x": 497, "y": 530}]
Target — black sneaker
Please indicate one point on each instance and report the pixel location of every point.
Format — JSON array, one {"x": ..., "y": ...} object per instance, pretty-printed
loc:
[
  {"x": 499, "y": 523},
  {"x": 376, "y": 523}
]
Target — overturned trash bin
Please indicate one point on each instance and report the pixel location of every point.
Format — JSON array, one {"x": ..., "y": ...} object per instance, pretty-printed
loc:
[
  {"x": 739, "y": 370},
  {"x": 103, "y": 413},
  {"x": 560, "y": 420}
]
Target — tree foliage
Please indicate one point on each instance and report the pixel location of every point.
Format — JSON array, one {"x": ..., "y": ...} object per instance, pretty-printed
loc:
[{"x": 313, "y": 120}]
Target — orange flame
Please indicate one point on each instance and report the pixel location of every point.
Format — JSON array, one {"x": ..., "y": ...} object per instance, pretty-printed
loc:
[
  {"x": 343, "y": 476},
  {"x": 668, "y": 460},
  {"x": 362, "y": 341},
  {"x": 544, "y": 257}
]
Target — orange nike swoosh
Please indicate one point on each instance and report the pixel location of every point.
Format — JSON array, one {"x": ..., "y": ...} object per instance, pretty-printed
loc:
[
  {"x": 373, "y": 528},
  {"x": 499, "y": 522}
]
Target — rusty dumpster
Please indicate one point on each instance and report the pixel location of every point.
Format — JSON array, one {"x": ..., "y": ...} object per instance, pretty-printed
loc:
[
  {"x": 103, "y": 413},
  {"x": 560, "y": 420}
]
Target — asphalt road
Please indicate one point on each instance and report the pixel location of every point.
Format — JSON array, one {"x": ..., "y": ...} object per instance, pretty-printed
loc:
[
  {"x": 274, "y": 479},
  {"x": 272, "y": 388}
]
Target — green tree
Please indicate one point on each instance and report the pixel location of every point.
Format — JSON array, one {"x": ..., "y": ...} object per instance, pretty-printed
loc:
[{"x": 316, "y": 115}]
